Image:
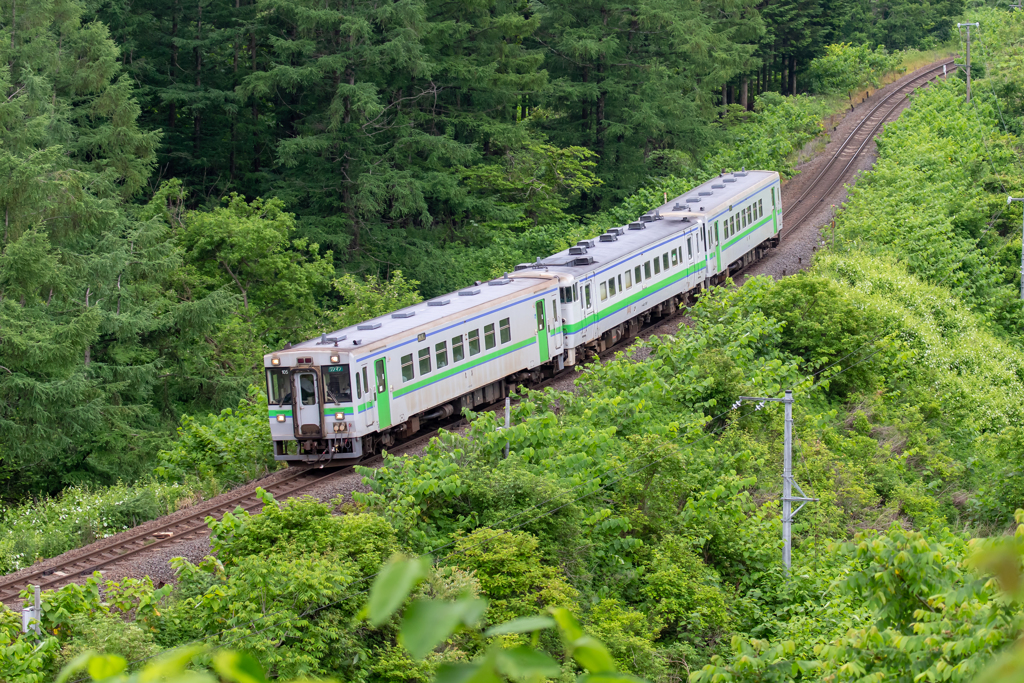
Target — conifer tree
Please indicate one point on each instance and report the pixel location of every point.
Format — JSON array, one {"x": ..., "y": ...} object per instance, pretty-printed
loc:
[{"x": 85, "y": 286}]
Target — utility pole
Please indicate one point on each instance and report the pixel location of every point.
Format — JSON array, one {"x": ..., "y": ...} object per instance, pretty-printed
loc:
[
  {"x": 787, "y": 479},
  {"x": 1008, "y": 201},
  {"x": 968, "y": 26}
]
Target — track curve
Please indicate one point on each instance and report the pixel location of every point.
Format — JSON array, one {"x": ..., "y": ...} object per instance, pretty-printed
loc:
[{"x": 837, "y": 167}]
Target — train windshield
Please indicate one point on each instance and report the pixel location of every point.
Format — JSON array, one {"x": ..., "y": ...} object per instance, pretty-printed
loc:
[
  {"x": 279, "y": 387},
  {"x": 337, "y": 385}
]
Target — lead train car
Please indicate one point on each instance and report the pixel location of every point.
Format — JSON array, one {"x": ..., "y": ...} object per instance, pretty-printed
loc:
[{"x": 351, "y": 393}]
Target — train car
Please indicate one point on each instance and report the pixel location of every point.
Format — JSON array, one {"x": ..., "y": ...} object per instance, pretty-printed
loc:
[
  {"x": 615, "y": 283},
  {"x": 350, "y": 393},
  {"x": 356, "y": 391}
]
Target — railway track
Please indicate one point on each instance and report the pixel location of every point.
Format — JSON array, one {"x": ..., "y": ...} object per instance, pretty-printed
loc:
[
  {"x": 184, "y": 528},
  {"x": 836, "y": 169}
]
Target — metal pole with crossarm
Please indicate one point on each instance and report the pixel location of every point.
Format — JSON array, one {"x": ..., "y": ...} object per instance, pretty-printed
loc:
[
  {"x": 1008, "y": 201},
  {"x": 787, "y": 479}
]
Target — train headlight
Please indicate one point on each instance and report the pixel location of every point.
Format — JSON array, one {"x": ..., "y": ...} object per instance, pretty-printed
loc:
[
  {"x": 339, "y": 416},
  {"x": 280, "y": 418},
  {"x": 275, "y": 361},
  {"x": 335, "y": 358}
]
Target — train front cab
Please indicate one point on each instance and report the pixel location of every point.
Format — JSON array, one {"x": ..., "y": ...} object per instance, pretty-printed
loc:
[{"x": 312, "y": 410}]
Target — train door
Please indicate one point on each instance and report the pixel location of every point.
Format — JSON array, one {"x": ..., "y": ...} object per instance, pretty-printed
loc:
[
  {"x": 364, "y": 395},
  {"x": 380, "y": 374},
  {"x": 587, "y": 306},
  {"x": 554, "y": 324},
  {"x": 542, "y": 332},
  {"x": 305, "y": 384}
]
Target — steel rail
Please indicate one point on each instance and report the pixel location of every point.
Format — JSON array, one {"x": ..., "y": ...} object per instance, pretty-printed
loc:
[{"x": 858, "y": 134}]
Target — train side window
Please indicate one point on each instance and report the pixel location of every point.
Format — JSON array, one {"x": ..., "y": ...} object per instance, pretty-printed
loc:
[
  {"x": 407, "y": 371},
  {"x": 441, "y": 354},
  {"x": 458, "y": 352},
  {"x": 586, "y": 292},
  {"x": 505, "y": 331},
  {"x": 664, "y": 261},
  {"x": 743, "y": 217},
  {"x": 474, "y": 342},
  {"x": 647, "y": 270},
  {"x": 689, "y": 247},
  {"x": 760, "y": 206},
  {"x": 489, "y": 342},
  {"x": 750, "y": 214},
  {"x": 424, "y": 355},
  {"x": 561, "y": 295},
  {"x": 636, "y": 275},
  {"x": 773, "y": 198},
  {"x": 657, "y": 265},
  {"x": 575, "y": 292},
  {"x": 620, "y": 283},
  {"x": 604, "y": 291},
  {"x": 359, "y": 385},
  {"x": 554, "y": 314},
  {"x": 611, "y": 286},
  {"x": 675, "y": 257},
  {"x": 366, "y": 381},
  {"x": 629, "y": 279}
]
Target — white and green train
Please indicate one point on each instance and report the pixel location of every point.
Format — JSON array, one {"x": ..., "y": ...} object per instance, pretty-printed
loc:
[{"x": 353, "y": 392}]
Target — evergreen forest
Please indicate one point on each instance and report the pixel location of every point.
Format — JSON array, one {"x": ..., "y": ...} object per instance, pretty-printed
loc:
[{"x": 189, "y": 186}]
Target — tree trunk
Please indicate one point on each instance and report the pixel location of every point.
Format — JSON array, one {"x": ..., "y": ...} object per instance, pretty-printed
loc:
[
  {"x": 255, "y": 110},
  {"x": 743, "y": 91},
  {"x": 172, "y": 112},
  {"x": 792, "y": 74},
  {"x": 199, "y": 82},
  {"x": 725, "y": 99}
]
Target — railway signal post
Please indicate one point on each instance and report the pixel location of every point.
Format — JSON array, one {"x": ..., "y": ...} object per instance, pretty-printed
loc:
[
  {"x": 1009, "y": 200},
  {"x": 787, "y": 479}
]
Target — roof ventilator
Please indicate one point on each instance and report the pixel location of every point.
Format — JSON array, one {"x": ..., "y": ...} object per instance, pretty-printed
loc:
[
  {"x": 403, "y": 314},
  {"x": 523, "y": 266},
  {"x": 501, "y": 280},
  {"x": 637, "y": 226},
  {"x": 369, "y": 326},
  {"x": 469, "y": 292},
  {"x": 718, "y": 186},
  {"x": 577, "y": 251},
  {"x": 706, "y": 193},
  {"x": 728, "y": 180},
  {"x": 582, "y": 261},
  {"x": 439, "y": 302},
  {"x": 324, "y": 339},
  {"x": 609, "y": 237},
  {"x": 586, "y": 243},
  {"x": 617, "y": 231}
]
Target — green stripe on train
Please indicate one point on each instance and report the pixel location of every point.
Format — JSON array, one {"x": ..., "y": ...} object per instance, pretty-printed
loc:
[{"x": 454, "y": 370}]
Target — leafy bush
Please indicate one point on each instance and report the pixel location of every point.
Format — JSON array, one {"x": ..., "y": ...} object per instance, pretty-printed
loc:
[
  {"x": 230, "y": 448},
  {"x": 79, "y": 516},
  {"x": 844, "y": 68}
]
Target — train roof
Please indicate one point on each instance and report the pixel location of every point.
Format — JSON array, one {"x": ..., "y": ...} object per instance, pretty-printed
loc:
[
  {"x": 703, "y": 202},
  {"x": 458, "y": 305}
]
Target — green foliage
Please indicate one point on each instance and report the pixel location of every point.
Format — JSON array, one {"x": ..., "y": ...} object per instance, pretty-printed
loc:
[
  {"x": 78, "y": 516},
  {"x": 230, "y": 448},
  {"x": 510, "y": 572},
  {"x": 843, "y": 68},
  {"x": 373, "y": 297},
  {"x": 249, "y": 248}
]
